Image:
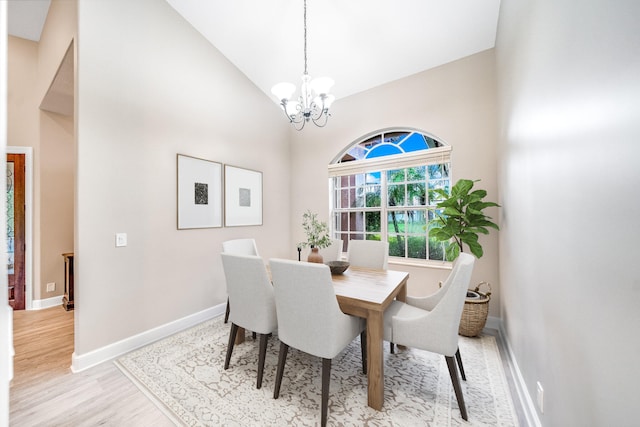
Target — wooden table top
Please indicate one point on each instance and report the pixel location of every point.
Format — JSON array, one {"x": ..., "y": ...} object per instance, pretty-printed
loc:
[{"x": 372, "y": 289}]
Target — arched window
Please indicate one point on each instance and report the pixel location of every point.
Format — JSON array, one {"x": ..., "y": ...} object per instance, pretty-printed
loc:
[{"x": 380, "y": 191}]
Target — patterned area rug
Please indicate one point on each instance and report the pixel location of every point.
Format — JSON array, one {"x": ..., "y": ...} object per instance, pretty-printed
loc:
[{"x": 183, "y": 374}]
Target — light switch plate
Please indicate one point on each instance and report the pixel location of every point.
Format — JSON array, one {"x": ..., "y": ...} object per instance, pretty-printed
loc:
[{"x": 121, "y": 239}]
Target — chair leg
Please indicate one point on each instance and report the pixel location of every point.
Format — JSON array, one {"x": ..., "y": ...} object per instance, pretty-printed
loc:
[
  {"x": 453, "y": 373},
  {"x": 326, "y": 377},
  {"x": 226, "y": 313},
  {"x": 391, "y": 348},
  {"x": 232, "y": 340},
  {"x": 363, "y": 350},
  {"x": 459, "y": 360},
  {"x": 282, "y": 358},
  {"x": 261, "y": 356}
]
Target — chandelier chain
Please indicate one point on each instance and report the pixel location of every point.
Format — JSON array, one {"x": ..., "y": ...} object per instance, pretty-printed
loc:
[{"x": 305, "y": 36}]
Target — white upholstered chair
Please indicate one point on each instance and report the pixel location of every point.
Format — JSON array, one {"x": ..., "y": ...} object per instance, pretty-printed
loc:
[
  {"x": 368, "y": 254},
  {"x": 310, "y": 319},
  {"x": 333, "y": 252},
  {"x": 251, "y": 294},
  {"x": 432, "y": 323},
  {"x": 238, "y": 247}
]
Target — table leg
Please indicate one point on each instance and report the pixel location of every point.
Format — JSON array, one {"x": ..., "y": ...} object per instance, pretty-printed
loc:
[
  {"x": 375, "y": 361},
  {"x": 240, "y": 336}
]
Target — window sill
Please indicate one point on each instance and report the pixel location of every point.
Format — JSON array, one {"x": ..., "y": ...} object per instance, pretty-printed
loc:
[{"x": 439, "y": 265}]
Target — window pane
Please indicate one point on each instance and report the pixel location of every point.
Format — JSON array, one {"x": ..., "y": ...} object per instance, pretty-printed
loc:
[
  {"x": 396, "y": 245},
  {"x": 417, "y": 173},
  {"x": 356, "y": 221},
  {"x": 417, "y": 222},
  {"x": 373, "y": 221},
  {"x": 373, "y": 237},
  {"x": 417, "y": 194},
  {"x": 396, "y": 222},
  {"x": 436, "y": 250},
  {"x": 417, "y": 247},
  {"x": 373, "y": 196},
  {"x": 395, "y": 195},
  {"x": 373, "y": 178},
  {"x": 396, "y": 175}
]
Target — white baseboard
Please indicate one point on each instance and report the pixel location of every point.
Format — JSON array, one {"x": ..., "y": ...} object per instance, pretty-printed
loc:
[
  {"x": 526, "y": 402},
  {"x": 39, "y": 304},
  {"x": 111, "y": 351}
]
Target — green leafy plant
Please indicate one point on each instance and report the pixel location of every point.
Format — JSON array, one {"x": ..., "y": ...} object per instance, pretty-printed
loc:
[
  {"x": 317, "y": 231},
  {"x": 462, "y": 219}
]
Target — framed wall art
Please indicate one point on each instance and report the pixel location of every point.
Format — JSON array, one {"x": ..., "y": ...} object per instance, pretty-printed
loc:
[
  {"x": 242, "y": 196},
  {"x": 199, "y": 193}
]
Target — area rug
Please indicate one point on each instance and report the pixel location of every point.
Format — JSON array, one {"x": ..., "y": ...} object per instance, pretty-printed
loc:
[{"x": 183, "y": 374}]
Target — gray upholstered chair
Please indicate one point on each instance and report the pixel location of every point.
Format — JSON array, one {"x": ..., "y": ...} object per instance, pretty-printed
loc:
[
  {"x": 251, "y": 294},
  {"x": 368, "y": 254},
  {"x": 434, "y": 327},
  {"x": 238, "y": 247},
  {"x": 310, "y": 319}
]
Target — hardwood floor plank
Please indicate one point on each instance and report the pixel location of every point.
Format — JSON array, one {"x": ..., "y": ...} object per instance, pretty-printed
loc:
[{"x": 44, "y": 391}]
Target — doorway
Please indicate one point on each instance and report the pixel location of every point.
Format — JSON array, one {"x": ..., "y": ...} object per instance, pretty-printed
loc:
[
  {"x": 19, "y": 228},
  {"x": 15, "y": 231}
]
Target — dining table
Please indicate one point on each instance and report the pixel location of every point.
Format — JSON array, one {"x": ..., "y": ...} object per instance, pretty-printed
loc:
[{"x": 367, "y": 293}]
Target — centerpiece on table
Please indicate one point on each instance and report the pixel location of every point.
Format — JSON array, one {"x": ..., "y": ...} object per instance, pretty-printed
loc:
[{"x": 317, "y": 233}]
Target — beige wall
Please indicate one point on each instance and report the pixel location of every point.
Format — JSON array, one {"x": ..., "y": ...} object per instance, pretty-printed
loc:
[
  {"x": 149, "y": 87},
  {"x": 455, "y": 102},
  {"x": 570, "y": 130}
]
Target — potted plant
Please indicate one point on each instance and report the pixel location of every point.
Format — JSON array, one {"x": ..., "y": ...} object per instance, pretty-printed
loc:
[
  {"x": 462, "y": 219},
  {"x": 317, "y": 233}
]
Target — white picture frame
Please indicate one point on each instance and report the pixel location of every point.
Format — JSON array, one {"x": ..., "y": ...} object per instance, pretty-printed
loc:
[
  {"x": 242, "y": 196},
  {"x": 199, "y": 193}
]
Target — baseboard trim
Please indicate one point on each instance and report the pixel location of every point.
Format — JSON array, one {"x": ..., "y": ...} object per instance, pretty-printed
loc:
[
  {"x": 85, "y": 361},
  {"x": 526, "y": 402},
  {"x": 40, "y": 304}
]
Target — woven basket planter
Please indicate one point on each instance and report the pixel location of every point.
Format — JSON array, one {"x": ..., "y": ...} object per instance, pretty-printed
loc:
[{"x": 476, "y": 309}]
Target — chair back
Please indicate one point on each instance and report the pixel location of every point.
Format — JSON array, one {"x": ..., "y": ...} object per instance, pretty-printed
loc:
[
  {"x": 240, "y": 247},
  {"x": 250, "y": 293},
  {"x": 333, "y": 252},
  {"x": 309, "y": 316},
  {"x": 446, "y": 314},
  {"x": 368, "y": 254}
]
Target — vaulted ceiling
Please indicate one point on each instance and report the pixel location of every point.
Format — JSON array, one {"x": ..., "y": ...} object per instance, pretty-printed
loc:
[{"x": 359, "y": 43}]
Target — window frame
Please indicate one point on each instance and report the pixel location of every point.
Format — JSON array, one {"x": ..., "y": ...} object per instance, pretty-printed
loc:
[{"x": 421, "y": 158}]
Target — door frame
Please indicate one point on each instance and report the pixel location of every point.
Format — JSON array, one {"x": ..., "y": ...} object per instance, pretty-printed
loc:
[{"x": 28, "y": 221}]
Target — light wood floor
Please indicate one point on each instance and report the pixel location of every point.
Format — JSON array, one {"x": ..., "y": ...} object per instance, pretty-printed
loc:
[{"x": 44, "y": 392}]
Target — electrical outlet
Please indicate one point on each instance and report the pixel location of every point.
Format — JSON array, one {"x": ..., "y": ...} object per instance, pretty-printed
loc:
[
  {"x": 540, "y": 396},
  {"x": 51, "y": 287},
  {"x": 121, "y": 239}
]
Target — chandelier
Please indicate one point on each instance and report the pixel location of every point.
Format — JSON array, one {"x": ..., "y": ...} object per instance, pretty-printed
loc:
[{"x": 314, "y": 100}]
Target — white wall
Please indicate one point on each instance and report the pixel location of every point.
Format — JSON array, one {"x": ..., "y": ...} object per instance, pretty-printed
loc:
[
  {"x": 149, "y": 87},
  {"x": 568, "y": 75},
  {"x": 455, "y": 102}
]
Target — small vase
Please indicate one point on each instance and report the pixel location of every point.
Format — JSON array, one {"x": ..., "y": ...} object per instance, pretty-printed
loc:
[{"x": 314, "y": 256}]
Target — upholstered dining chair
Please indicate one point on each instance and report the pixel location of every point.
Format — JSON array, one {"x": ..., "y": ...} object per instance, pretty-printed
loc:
[
  {"x": 333, "y": 252},
  {"x": 310, "y": 319},
  {"x": 238, "y": 247},
  {"x": 435, "y": 326},
  {"x": 368, "y": 254},
  {"x": 251, "y": 293}
]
